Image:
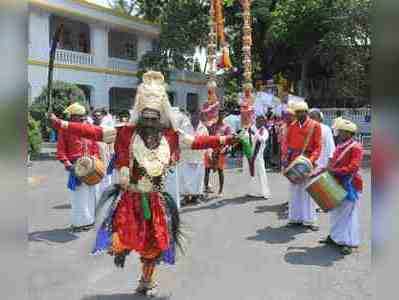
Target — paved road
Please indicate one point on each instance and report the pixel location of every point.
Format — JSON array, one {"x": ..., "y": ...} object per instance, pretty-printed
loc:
[{"x": 238, "y": 249}]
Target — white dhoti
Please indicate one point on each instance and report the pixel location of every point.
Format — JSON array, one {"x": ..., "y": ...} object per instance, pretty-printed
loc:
[
  {"x": 172, "y": 185},
  {"x": 301, "y": 207},
  {"x": 105, "y": 183},
  {"x": 191, "y": 178},
  {"x": 258, "y": 185},
  {"x": 344, "y": 222},
  {"x": 83, "y": 202}
]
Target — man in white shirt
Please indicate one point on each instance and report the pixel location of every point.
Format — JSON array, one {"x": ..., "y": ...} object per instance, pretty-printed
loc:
[
  {"x": 258, "y": 186},
  {"x": 327, "y": 140}
]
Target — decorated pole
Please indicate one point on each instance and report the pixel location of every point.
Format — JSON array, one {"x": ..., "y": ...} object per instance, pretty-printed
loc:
[
  {"x": 247, "y": 110},
  {"x": 211, "y": 107}
]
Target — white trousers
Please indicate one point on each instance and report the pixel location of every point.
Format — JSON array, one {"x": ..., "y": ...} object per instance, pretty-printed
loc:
[
  {"x": 172, "y": 185},
  {"x": 83, "y": 202},
  {"x": 301, "y": 206},
  {"x": 191, "y": 178},
  {"x": 258, "y": 185},
  {"x": 344, "y": 221}
]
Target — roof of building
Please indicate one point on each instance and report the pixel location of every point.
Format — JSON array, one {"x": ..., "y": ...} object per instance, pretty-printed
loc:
[{"x": 96, "y": 12}]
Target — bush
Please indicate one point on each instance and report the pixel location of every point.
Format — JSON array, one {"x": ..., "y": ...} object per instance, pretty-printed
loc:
[
  {"x": 34, "y": 136},
  {"x": 63, "y": 94}
]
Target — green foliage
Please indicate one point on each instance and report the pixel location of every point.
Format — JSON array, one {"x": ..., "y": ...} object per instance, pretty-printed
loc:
[
  {"x": 63, "y": 94},
  {"x": 34, "y": 136}
]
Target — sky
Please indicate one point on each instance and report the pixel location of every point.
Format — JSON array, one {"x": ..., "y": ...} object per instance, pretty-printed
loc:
[{"x": 101, "y": 2}]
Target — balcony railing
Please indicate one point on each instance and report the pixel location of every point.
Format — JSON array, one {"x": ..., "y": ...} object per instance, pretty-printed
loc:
[
  {"x": 118, "y": 64},
  {"x": 73, "y": 58},
  {"x": 361, "y": 116}
]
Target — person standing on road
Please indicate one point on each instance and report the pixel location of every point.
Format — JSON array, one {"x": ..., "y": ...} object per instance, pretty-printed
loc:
[
  {"x": 327, "y": 141},
  {"x": 301, "y": 207},
  {"x": 258, "y": 186},
  {"x": 216, "y": 159},
  {"x": 345, "y": 166},
  {"x": 192, "y": 169},
  {"x": 70, "y": 148}
]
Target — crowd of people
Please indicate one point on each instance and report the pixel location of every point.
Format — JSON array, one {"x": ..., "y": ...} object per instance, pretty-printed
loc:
[{"x": 159, "y": 159}]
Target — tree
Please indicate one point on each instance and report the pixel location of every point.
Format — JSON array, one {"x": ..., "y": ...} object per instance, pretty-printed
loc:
[
  {"x": 34, "y": 136},
  {"x": 123, "y": 6},
  {"x": 63, "y": 94}
]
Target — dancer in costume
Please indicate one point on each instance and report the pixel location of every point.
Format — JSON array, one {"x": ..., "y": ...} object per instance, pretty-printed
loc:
[
  {"x": 142, "y": 218},
  {"x": 303, "y": 136},
  {"x": 345, "y": 166},
  {"x": 192, "y": 169},
  {"x": 71, "y": 147},
  {"x": 259, "y": 186},
  {"x": 215, "y": 160}
]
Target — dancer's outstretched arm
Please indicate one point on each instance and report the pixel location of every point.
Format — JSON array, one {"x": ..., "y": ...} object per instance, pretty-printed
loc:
[{"x": 88, "y": 131}]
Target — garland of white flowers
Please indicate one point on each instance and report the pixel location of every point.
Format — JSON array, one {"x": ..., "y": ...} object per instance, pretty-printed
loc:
[{"x": 154, "y": 161}]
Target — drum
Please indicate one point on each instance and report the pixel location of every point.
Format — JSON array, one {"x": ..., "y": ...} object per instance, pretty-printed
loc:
[
  {"x": 90, "y": 170},
  {"x": 326, "y": 191},
  {"x": 298, "y": 169}
]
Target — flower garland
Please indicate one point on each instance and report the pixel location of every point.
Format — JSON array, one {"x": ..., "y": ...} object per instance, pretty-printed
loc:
[{"x": 154, "y": 161}]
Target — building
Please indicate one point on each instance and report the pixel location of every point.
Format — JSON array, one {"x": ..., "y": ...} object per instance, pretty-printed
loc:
[{"x": 99, "y": 51}]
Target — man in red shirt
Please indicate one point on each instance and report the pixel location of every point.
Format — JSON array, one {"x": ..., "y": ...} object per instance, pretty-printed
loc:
[
  {"x": 345, "y": 166},
  {"x": 69, "y": 149},
  {"x": 302, "y": 210}
]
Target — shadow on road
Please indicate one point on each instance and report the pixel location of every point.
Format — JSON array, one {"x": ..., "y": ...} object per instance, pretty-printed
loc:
[
  {"x": 63, "y": 206},
  {"x": 280, "y": 209},
  {"x": 124, "y": 297},
  {"x": 278, "y": 235},
  {"x": 222, "y": 203},
  {"x": 54, "y": 236},
  {"x": 323, "y": 256}
]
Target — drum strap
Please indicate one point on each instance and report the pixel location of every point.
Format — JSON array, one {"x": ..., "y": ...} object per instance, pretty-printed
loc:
[
  {"x": 350, "y": 146},
  {"x": 307, "y": 138}
]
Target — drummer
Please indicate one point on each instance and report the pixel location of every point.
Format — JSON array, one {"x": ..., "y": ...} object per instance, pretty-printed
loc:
[
  {"x": 69, "y": 149},
  {"x": 345, "y": 166},
  {"x": 302, "y": 210}
]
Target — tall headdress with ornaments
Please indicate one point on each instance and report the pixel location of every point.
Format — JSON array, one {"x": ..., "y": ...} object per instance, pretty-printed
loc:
[{"x": 151, "y": 94}]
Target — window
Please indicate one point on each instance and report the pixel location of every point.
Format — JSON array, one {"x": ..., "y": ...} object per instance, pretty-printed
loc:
[
  {"x": 123, "y": 45},
  {"x": 121, "y": 99},
  {"x": 192, "y": 102}
]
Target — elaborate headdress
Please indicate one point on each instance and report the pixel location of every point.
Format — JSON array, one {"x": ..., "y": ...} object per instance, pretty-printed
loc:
[{"x": 152, "y": 94}]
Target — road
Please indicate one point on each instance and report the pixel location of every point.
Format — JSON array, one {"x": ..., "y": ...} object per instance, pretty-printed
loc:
[{"x": 237, "y": 249}]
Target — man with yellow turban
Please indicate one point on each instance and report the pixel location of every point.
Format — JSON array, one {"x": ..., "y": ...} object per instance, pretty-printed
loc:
[
  {"x": 303, "y": 138},
  {"x": 345, "y": 166},
  {"x": 71, "y": 147}
]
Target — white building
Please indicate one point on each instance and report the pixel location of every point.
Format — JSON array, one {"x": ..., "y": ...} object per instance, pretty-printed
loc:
[{"x": 99, "y": 50}]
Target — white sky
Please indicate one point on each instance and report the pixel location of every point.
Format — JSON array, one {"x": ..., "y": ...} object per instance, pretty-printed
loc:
[{"x": 101, "y": 2}]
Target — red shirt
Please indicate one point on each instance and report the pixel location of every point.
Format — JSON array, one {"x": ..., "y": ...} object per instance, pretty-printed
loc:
[
  {"x": 72, "y": 147},
  {"x": 350, "y": 163},
  {"x": 296, "y": 135}
]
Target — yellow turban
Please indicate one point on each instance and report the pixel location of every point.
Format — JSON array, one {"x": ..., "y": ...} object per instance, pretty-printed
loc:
[
  {"x": 346, "y": 125},
  {"x": 300, "y": 106},
  {"x": 75, "y": 109}
]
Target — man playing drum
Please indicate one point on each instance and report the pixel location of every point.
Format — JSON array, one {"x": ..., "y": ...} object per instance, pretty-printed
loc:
[
  {"x": 345, "y": 166},
  {"x": 70, "y": 148},
  {"x": 303, "y": 138}
]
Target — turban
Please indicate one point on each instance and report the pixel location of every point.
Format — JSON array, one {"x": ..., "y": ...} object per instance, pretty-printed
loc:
[
  {"x": 300, "y": 106},
  {"x": 345, "y": 125},
  {"x": 75, "y": 109}
]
